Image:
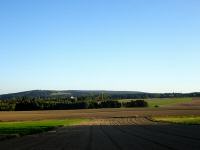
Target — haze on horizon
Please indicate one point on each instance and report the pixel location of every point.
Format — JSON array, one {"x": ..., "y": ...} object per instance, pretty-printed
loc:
[{"x": 150, "y": 46}]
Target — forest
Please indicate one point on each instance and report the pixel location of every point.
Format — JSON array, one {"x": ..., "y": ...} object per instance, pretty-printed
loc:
[{"x": 64, "y": 104}]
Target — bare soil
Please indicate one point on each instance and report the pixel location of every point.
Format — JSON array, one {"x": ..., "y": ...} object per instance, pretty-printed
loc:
[
  {"x": 137, "y": 133},
  {"x": 97, "y": 113}
]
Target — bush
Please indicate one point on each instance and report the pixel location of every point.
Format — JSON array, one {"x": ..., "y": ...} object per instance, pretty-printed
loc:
[
  {"x": 156, "y": 106},
  {"x": 93, "y": 105},
  {"x": 110, "y": 104},
  {"x": 26, "y": 106},
  {"x": 137, "y": 103}
]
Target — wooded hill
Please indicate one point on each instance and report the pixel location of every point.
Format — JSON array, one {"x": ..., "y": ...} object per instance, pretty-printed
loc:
[{"x": 91, "y": 95}]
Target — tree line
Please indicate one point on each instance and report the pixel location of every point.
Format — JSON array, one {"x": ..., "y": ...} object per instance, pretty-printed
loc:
[{"x": 33, "y": 104}]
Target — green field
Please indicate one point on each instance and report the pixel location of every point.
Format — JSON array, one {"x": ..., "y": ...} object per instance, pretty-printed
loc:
[
  {"x": 167, "y": 101},
  {"x": 179, "y": 119},
  {"x": 31, "y": 127},
  {"x": 159, "y": 102}
]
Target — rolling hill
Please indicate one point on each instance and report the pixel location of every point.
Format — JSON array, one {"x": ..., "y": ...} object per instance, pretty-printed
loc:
[
  {"x": 65, "y": 93},
  {"x": 48, "y": 94}
]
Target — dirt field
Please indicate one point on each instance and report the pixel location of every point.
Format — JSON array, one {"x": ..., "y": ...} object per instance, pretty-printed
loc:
[
  {"x": 112, "y": 134},
  {"x": 99, "y": 113},
  {"x": 192, "y": 108},
  {"x": 110, "y": 129}
]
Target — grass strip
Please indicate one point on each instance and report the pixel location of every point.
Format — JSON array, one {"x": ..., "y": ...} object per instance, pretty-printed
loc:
[
  {"x": 32, "y": 127},
  {"x": 188, "y": 120}
]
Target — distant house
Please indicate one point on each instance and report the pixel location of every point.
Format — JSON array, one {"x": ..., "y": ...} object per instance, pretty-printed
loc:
[{"x": 73, "y": 98}]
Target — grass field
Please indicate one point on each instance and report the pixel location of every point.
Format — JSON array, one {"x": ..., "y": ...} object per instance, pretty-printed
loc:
[
  {"x": 159, "y": 102},
  {"x": 180, "y": 119},
  {"x": 31, "y": 127},
  {"x": 167, "y": 101}
]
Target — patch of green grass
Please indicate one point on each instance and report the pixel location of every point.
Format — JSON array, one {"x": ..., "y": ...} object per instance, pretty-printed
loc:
[
  {"x": 167, "y": 101},
  {"x": 32, "y": 127},
  {"x": 179, "y": 119}
]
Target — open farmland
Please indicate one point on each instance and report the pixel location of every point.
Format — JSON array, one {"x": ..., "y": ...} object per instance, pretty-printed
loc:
[
  {"x": 116, "y": 129},
  {"x": 115, "y": 133},
  {"x": 97, "y": 113},
  {"x": 33, "y": 127},
  {"x": 187, "y": 120},
  {"x": 168, "y": 101},
  {"x": 162, "y": 102}
]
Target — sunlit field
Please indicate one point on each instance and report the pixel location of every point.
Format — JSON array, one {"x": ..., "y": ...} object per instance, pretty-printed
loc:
[{"x": 32, "y": 127}]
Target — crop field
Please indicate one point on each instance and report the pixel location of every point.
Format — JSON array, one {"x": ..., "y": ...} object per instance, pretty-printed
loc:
[
  {"x": 111, "y": 129},
  {"x": 168, "y": 101},
  {"x": 160, "y": 102}
]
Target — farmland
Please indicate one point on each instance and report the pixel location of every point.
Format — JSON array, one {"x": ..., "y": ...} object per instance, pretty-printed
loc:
[
  {"x": 167, "y": 101},
  {"x": 117, "y": 129},
  {"x": 180, "y": 119},
  {"x": 32, "y": 127},
  {"x": 160, "y": 102},
  {"x": 113, "y": 133}
]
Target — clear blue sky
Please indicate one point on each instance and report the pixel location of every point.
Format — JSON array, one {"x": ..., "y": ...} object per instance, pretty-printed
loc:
[{"x": 138, "y": 45}]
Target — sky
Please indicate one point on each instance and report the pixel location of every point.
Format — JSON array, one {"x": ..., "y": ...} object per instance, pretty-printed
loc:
[{"x": 134, "y": 45}]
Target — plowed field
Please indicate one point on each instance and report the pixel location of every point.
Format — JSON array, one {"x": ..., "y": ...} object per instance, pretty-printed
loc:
[{"x": 135, "y": 133}]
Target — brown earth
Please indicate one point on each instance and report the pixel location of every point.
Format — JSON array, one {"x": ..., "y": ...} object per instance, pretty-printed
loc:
[
  {"x": 99, "y": 113},
  {"x": 134, "y": 133}
]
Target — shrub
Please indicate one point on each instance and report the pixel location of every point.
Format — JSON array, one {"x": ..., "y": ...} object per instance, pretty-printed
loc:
[
  {"x": 110, "y": 104},
  {"x": 137, "y": 103}
]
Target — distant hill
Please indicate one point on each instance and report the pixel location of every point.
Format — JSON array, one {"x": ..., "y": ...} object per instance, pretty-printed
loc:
[
  {"x": 65, "y": 93},
  {"x": 48, "y": 94}
]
